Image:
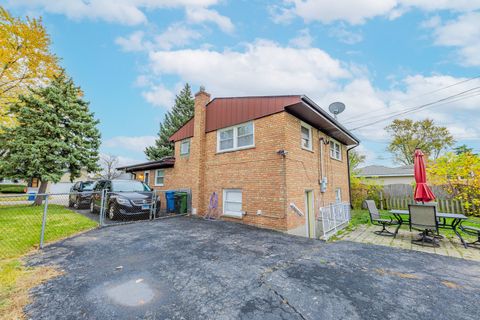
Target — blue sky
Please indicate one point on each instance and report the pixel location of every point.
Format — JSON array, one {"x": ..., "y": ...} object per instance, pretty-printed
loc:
[{"x": 377, "y": 56}]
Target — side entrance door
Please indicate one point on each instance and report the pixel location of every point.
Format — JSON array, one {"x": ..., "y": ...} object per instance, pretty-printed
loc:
[{"x": 310, "y": 213}]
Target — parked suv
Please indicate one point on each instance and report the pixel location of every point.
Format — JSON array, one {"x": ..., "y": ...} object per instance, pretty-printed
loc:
[
  {"x": 81, "y": 194},
  {"x": 124, "y": 198}
]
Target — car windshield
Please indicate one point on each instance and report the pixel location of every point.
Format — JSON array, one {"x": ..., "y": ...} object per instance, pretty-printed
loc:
[
  {"x": 135, "y": 186},
  {"x": 88, "y": 186}
]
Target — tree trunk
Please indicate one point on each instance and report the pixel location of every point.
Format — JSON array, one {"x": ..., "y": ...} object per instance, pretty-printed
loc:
[{"x": 43, "y": 188}]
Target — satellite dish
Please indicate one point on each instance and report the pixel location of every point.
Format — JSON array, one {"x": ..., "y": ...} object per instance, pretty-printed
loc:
[{"x": 336, "y": 108}]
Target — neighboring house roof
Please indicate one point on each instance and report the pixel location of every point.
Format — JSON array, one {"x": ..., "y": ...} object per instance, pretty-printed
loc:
[
  {"x": 166, "y": 162},
  {"x": 383, "y": 171},
  {"x": 226, "y": 112}
]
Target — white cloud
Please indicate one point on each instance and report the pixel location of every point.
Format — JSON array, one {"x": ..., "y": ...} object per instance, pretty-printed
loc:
[
  {"x": 357, "y": 12},
  {"x": 128, "y": 12},
  {"x": 159, "y": 96},
  {"x": 462, "y": 33},
  {"x": 136, "y": 144},
  {"x": 200, "y": 15},
  {"x": 303, "y": 40},
  {"x": 176, "y": 35},
  {"x": 262, "y": 67},
  {"x": 344, "y": 35},
  {"x": 133, "y": 42}
]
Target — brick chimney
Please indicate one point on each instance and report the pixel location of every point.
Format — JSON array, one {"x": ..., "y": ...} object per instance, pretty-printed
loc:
[{"x": 202, "y": 98}]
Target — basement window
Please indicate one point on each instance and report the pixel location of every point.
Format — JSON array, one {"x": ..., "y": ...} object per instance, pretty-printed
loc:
[
  {"x": 232, "y": 203},
  {"x": 236, "y": 138},
  {"x": 185, "y": 147},
  {"x": 335, "y": 150}
]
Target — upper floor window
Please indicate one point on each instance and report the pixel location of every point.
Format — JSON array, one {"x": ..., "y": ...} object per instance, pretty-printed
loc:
[
  {"x": 234, "y": 138},
  {"x": 159, "y": 177},
  {"x": 335, "y": 150},
  {"x": 185, "y": 147},
  {"x": 306, "y": 132}
]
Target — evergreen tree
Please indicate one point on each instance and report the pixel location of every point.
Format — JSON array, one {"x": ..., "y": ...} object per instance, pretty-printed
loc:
[
  {"x": 181, "y": 112},
  {"x": 56, "y": 133}
]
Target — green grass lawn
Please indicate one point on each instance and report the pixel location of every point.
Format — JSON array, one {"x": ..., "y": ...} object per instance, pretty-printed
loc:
[
  {"x": 20, "y": 227},
  {"x": 359, "y": 217}
]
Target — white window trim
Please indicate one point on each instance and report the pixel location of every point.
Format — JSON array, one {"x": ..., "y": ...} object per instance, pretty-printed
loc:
[
  {"x": 145, "y": 173},
  {"x": 231, "y": 214},
  {"x": 338, "y": 190},
  {"x": 310, "y": 136},
  {"x": 156, "y": 175},
  {"x": 235, "y": 137},
  {"x": 189, "y": 145},
  {"x": 340, "y": 150}
]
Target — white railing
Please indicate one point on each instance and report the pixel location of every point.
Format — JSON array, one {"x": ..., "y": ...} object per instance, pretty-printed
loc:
[{"x": 333, "y": 218}]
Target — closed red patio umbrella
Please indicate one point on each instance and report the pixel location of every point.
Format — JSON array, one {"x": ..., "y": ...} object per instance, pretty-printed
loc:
[{"x": 422, "y": 191}]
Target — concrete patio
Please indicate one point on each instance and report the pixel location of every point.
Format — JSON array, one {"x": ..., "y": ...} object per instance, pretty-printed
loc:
[{"x": 449, "y": 246}]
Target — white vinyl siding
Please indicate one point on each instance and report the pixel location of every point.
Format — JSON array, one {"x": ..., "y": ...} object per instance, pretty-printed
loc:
[
  {"x": 335, "y": 150},
  {"x": 232, "y": 203},
  {"x": 185, "y": 147},
  {"x": 159, "y": 177},
  {"x": 306, "y": 133},
  {"x": 236, "y": 138}
]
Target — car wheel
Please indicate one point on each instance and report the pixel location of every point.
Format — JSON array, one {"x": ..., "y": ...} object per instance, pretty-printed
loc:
[
  {"x": 112, "y": 215},
  {"x": 70, "y": 203},
  {"x": 92, "y": 207},
  {"x": 77, "y": 204}
]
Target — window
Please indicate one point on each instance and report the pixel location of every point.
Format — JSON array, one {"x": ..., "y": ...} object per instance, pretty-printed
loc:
[
  {"x": 185, "y": 147},
  {"x": 232, "y": 203},
  {"x": 306, "y": 132},
  {"x": 146, "y": 177},
  {"x": 235, "y": 138},
  {"x": 338, "y": 195},
  {"x": 335, "y": 150},
  {"x": 159, "y": 177}
]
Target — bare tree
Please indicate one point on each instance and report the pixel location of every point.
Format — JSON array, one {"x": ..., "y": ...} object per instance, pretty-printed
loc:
[{"x": 109, "y": 164}]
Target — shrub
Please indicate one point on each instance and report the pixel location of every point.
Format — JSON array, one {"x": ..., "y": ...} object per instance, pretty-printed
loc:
[
  {"x": 362, "y": 191},
  {"x": 12, "y": 188}
]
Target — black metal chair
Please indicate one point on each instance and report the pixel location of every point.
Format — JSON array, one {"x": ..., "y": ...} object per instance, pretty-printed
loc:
[
  {"x": 376, "y": 219},
  {"x": 473, "y": 231},
  {"x": 424, "y": 218}
]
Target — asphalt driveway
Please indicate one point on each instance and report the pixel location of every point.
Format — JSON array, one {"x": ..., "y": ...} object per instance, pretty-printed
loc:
[{"x": 185, "y": 268}]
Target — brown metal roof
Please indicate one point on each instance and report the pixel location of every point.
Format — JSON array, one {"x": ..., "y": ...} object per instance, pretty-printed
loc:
[
  {"x": 225, "y": 112},
  {"x": 184, "y": 132}
]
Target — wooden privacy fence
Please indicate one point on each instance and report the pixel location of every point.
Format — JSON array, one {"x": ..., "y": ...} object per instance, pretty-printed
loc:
[{"x": 443, "y": 205}]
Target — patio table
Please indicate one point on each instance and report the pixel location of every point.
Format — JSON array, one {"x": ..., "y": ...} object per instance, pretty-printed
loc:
[{"x": 456, "y": 219}]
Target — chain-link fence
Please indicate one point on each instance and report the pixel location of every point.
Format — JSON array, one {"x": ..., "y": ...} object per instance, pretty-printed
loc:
[
  {"x": 30, "y": 220},
  {"x": 126, "y": 207}
]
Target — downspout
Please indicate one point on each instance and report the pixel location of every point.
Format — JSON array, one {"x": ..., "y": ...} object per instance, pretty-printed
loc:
[{"x": 349, "y": 182}]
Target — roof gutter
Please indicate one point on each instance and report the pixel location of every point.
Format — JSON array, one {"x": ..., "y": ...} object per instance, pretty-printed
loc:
[{"x": 329, "y": 118}]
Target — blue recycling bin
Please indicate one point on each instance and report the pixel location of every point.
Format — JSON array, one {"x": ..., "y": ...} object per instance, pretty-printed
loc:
[
  {"x": 170, "y": 196},
  {"x": 31, "y": 196}
]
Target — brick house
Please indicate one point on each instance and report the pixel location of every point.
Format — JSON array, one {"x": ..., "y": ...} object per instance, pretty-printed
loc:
[{"x": 265, "y": 157}]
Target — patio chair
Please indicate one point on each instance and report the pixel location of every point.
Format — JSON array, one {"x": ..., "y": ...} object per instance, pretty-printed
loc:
[
  {"x": 376, "y": 219},
  {"x": 473, "y": 231},
  {"x": 424, "y": 218}
]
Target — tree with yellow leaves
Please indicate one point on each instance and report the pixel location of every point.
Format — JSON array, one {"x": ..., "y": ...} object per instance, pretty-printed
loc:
[
  {"x": 25, "y": 59},
  {"x": 460, "y": 175}
]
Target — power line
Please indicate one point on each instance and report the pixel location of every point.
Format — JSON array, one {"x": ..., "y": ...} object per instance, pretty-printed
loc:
[
  {"x": 368, "y": 117},
  {"x": 427, "y": 93},
  {"x": 459, "y": 96}
]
